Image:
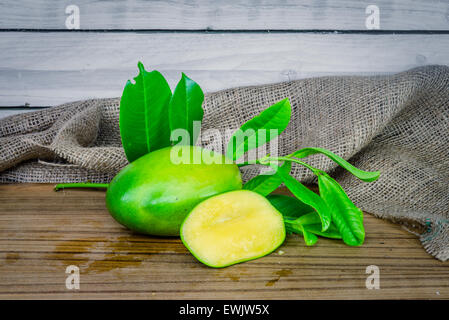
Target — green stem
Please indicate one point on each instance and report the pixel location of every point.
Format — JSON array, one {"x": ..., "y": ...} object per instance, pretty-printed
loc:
[
  {"x": 247, "y": 163},
  {"x": 308, "y": 166},
  {"x": 80, "y": 185},
  {"x": 266, "y": 162}
]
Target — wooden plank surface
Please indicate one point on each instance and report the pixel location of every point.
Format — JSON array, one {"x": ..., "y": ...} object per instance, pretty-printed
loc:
[
  {"x": 42, "y": 69},
  {"x": 226, "y": 14},
  {"x": 42, "y": 232}
]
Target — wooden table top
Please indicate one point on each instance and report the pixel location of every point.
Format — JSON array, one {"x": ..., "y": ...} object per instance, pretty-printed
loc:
[{"x": 42, "y": 232}]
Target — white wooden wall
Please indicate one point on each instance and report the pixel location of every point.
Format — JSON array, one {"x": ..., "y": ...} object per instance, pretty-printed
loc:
[{"x": 219, "y": 44}]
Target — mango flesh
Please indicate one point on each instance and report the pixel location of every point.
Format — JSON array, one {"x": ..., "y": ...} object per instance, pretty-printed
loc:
[
  {"x": 153, "y": 195},
  {"x": 233, "y": 227}
]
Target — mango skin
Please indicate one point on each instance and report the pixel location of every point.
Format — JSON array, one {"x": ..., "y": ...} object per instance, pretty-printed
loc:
[{"x": 152, "y": 195}]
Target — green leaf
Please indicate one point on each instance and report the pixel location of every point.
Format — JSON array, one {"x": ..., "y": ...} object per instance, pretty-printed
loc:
[
  {"x": 308, "y": 224},
  {"x": 293, "y": 212},
  {"x": 290, "y": 207},
  {"x": 347, "y": 217},
  {"x": 186, "y": 107},
  {"x": 144, "y": 114},
  {"x": 293, "y": 226},
  {"x": 312, "y": 223},
  {"x": 249, "y": 137},
  {"x": 310, "y": 218},
  {"x": 362, "y": 175},
  {"x": 309, "y": 238},
  {"x": 265, "y": 184},
  {"x": 308, "y": 197},
  {"x": 332, "y": 232}
]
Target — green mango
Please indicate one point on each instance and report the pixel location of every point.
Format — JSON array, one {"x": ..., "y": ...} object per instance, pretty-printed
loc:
[{"x": 153, "y": 194}]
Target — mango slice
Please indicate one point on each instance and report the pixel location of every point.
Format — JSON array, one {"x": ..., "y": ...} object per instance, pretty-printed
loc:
[{"x": 232, "y": 227}]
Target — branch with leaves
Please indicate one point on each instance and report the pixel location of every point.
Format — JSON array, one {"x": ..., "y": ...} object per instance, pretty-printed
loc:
[
  {"x": 149, "y": 113},
  {"x": 328, "y": 214}
]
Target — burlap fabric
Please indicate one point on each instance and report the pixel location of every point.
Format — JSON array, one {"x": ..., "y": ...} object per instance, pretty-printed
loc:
[{"x": 398, "y": 124}]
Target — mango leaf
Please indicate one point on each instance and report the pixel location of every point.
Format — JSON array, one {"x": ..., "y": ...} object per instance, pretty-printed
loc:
[
  {"x": 290, "y": 207},
  {"x": 312, "y": 223},
  {"x": 309, "y": 225},
  {"x": 186, "y": 107},
  {"x": 366, "y": 176},
  {"x": 308, "y": 197},
  {"x": 309, "y": 238},
  {"x": 293, "y": 226},
  {"x": 265, "y": 184},
  {"x": 332, "y": 232},
  {"x": 310, "y": 218},
  {"x": 249, "y": 137},
  {"x": 144, "y": 114},
  {"x": 347, "y": 217}
]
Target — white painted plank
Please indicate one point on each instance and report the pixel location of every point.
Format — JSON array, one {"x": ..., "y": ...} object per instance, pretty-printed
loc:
[
  {"x": 5, "y": 112},
  {"x": 226, "y": 14},
  {"x": 52, "y": 68}
]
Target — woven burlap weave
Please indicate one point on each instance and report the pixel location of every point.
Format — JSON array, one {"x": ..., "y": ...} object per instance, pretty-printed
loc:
[{"x": 398, "y": 124}]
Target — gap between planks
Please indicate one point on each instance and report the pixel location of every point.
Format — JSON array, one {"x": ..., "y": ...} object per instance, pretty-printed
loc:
[{"x": 125, "y": 265}]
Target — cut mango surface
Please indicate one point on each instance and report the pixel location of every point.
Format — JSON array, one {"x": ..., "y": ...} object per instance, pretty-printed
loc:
[{"x": 233, "y": 227}]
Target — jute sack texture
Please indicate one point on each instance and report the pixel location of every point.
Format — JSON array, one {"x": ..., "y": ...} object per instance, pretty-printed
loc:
[{"x": 398, "y": 124}]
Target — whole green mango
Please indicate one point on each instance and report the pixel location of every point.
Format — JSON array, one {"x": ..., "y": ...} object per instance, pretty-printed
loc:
[{"x": 154, "y": 193}]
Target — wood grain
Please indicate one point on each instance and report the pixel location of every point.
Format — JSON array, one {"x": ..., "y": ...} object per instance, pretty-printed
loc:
[
  {"x": 42, "y": 69},
  {"x": 226, "y": 14},
  {"x": 42, "y": 232}
]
